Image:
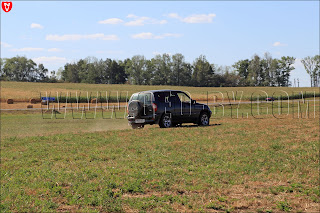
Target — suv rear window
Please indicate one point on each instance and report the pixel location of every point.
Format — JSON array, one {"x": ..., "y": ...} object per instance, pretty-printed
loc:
[{"x": 145, "y": 98}]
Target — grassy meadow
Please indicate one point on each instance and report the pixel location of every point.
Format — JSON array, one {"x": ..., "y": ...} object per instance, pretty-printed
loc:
[
  {"x": 237, "y": 164},
  {"x": 255, "y": 165}
]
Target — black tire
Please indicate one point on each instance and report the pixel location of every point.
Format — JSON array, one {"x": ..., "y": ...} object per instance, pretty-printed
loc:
[
  {"x": 165, "y": 121},
  {"x": 137, "y": 126},
  {"x": 204, "y": 119}
]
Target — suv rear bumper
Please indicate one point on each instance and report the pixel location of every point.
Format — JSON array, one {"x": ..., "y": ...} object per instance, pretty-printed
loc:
[{"x": 148, "y": 120}]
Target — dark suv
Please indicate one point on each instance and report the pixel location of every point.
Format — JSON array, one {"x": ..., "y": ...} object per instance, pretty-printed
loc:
[{"x": 167, "y": 108}]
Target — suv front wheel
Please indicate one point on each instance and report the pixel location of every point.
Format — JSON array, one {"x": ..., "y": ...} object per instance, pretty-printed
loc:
[
  {"x": 204, "y": 119},
  {"x": 165, "y": 121}
]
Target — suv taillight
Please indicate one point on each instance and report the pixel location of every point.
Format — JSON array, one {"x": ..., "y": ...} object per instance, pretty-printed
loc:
[{"x": 154, "y": 106}]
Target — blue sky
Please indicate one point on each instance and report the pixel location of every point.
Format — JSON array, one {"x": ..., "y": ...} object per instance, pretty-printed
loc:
[{"x": 54, "y": 33}]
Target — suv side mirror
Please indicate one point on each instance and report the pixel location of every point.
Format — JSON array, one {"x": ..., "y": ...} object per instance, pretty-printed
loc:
[{"x": 193, "y": 101}]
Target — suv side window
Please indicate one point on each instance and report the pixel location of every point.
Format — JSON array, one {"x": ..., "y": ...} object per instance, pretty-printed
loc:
[
  {"x": 173, "y": 97},
  {"x": 162, "y": 97},
  {"x": 184, "y": 98}
]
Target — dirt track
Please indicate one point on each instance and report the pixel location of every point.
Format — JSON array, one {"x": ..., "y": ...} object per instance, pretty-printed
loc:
[{"x": 23, "y": 105}]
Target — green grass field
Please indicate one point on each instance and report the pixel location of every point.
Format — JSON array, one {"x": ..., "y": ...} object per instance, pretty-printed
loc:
[
  {"x": 267, "y": 165},
  {"x": 102, "y": 165}
]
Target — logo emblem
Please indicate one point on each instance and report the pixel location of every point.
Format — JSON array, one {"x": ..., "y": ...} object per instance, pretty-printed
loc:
[{"x": 6, "y": 6}]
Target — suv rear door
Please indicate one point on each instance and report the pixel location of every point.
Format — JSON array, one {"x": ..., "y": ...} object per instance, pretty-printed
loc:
[{"x": 146, "y": 98}]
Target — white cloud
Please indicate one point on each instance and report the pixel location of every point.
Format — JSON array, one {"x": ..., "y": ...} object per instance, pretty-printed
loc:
[
  {"x": 140, "y": 21},
  {"x": 168, "y": 35},
  {"x": 111, "y": 21},
  {"x": 27, "y": 49},
  {"x": 149, "y": 35},
  {"x": 163, "y": 22},
  {"x": 195, "y": 18},
  {"x": 54, "y": 50},
  {"x": 137, "y": 21},
  {"x": 200, "y": 18},
  {"x": 49, "y": 60},
  {"x": 36, "y": 26},
  {"x": 4, "y": 44},
  {"x": 173, "y": 15},
  {"x": 76, "y": 37},
  {"x": 279, "y": 44},
  {"x": 132, "y": 16},
  {"x": 143, "y": 36}
]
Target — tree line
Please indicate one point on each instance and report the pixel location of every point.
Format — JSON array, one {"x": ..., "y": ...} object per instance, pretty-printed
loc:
[{"x": 164, "y": 69}]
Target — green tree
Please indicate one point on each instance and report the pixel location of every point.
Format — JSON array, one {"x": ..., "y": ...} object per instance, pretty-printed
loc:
[
  {"x": 147, "y": 74},
  {"x": 136, "y": 68},
  {"x": 203, "y": 73},
  {"x": 285, "y": 67},
  {"x": 275, "y": 73},
  {"x": 71, "y": 73},
  {"x": 227, "y": 77},
  {"x": 254, "y": 72},
  {"x": 83, "y": 71},
  {"x": 107, "y": 71},
  {"x": 266, "y": 63},
  {"x": 162, "y": 70},
  {"x": 155, "y": 70},
  {"x": 185, "y": 78},
  {"x": 20, "y": 69},
  {"x": 42, "y": 73},
  {"x": 118, "y": 71},
  {"x": 242, "y": 68},
  {"x": 177, "y": 68}
]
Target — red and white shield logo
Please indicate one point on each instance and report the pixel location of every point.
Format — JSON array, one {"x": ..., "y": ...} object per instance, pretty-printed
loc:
[{"x": 6, "y": 6}]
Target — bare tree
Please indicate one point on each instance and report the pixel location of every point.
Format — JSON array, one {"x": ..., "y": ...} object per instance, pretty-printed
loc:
[{"x": 312, "y": 66}]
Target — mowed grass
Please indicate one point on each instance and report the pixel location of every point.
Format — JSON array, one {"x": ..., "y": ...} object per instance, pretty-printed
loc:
[
  {"x": 23, "y": 91},
  {"x": 252, "y": 165}
]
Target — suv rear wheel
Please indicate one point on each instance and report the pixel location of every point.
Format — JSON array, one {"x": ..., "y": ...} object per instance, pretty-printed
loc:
[
  {"x": 204, "y": 119},
  {"x": 165, "y": 121}
]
